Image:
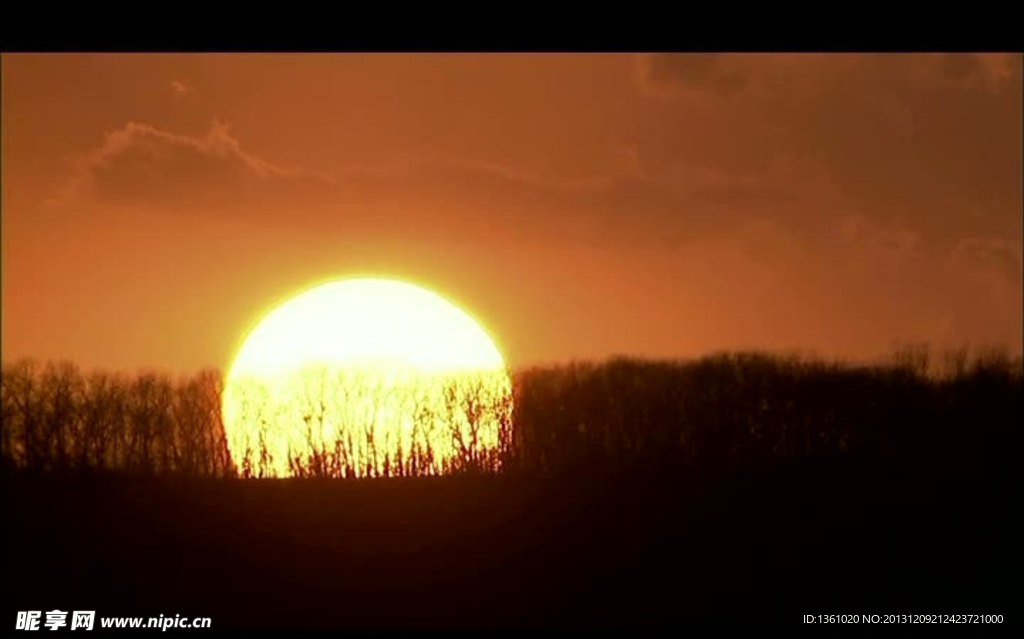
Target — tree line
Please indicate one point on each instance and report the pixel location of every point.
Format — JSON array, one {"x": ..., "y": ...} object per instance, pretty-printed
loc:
[
  {"x": 618, "y": 415},
  {"x": 57, "y": 419},
  {"x": 738, "y": 408}
]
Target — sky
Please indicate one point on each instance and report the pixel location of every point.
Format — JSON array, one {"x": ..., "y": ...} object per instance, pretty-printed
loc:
[{"x": 155, "y": 206}]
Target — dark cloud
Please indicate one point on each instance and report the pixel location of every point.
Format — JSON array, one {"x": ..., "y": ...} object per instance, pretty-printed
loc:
[
  {"x": 715, "y": 71},
  {"x": 769, "y": 73},
  {"x": 139, "y": 162},
  {"x": 146, "y": 168},
  {"x": 925, "y": 140}
]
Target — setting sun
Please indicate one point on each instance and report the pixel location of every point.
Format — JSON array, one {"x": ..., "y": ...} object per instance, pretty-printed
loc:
[
  {"x": 493, "y": 340},
  {"x": 362, "y": 377}
]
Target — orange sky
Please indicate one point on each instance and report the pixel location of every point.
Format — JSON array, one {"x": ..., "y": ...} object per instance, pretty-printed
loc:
[{"x": 580, "y": 205}]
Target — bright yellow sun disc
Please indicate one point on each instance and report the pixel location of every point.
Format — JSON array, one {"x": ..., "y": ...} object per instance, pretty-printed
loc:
[{"x": 366, "y": 377}]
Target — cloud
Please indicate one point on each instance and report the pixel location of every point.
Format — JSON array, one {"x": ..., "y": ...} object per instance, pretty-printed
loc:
[
  {"x": 182, "y": 89},
  {"x": 879, "y": 242},
  {"x": 995, "y": 257},
  {"x": 912, "y": 139},
  {"x": 978, "y": 71},
  {"x": 144, "y": 167},
  {"x": 770, "y": 75},
  {"x": 139, "y": 162},
  {"x": 666, "y": 73}
]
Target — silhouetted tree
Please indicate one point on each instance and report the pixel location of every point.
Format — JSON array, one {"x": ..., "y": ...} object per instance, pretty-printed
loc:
[{"x": 622, "y": 415}]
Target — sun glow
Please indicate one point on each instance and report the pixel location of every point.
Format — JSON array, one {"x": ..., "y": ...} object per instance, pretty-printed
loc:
[{"x": 366, "y": 377}]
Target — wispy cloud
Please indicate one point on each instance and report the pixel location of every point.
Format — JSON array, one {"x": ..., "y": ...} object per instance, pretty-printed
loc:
[
  {"x": 182, "y": 89},
  {"x": 998, "y": 258},
  {"x": 144, "y": 166},
  {"x": 145, "y": 149}
]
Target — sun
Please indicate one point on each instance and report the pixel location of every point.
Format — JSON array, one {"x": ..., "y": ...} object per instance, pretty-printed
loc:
[{"x": 366, "y": 377}]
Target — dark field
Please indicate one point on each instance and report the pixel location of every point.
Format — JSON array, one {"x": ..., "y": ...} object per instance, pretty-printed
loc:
[
  {"x": 756, "y": 549},
  {"x": 722, "y": 495}
]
